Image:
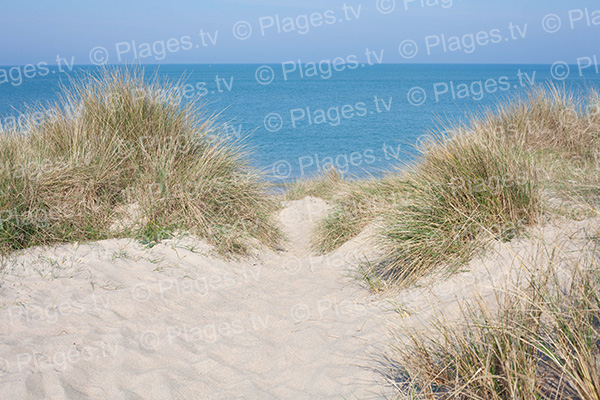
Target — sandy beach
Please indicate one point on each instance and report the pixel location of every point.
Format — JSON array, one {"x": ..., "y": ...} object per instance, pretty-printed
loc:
[
  {"x": 273, "y": 200},
  {"x": 117, "y": 320}
]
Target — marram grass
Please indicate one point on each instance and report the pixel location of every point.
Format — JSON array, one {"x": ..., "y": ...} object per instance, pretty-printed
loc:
[
  {"x": 465, "y": 190},
  {"x": 541, "y": 343},
  {"x": 118, "y": 142},
  {"x": 485, "y": 180}
]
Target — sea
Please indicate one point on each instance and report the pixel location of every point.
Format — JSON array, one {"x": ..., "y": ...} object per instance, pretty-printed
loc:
[{"x": 299, "y": 119}]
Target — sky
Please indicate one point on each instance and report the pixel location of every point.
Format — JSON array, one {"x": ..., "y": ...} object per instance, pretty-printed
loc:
[{"x": 273, "y": 31}]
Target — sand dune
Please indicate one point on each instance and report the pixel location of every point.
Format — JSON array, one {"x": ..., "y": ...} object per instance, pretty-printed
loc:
[{"x": 116, "y": 320}]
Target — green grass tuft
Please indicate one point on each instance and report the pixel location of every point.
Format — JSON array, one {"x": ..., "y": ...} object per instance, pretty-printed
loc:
[
  {"x": 355, "y": 205},
  {"x": 465, "y": 190}
]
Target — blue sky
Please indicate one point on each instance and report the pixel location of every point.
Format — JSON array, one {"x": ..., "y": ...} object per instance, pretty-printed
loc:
[{"x": 39, "y": 30}]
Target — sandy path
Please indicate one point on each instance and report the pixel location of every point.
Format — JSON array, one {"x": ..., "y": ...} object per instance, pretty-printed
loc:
[{"x": 114, "y": 320}]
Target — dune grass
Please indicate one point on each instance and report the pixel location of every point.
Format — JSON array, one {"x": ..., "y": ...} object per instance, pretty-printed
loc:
[
  {"x": 465, "y": 191},
  {"x": 323, "y": 186},
  {"x": 120, "y": 141},
  {"x": 439, "y": 212},
  {"x": 547, "y": 118},
  {"x": 561, "y": 131},
  {"x": 355, "y": 205},
  {"x": 540, "y": 343},
  {"x": 474, "y": 183},
  {"x": 533, "y": 158}
]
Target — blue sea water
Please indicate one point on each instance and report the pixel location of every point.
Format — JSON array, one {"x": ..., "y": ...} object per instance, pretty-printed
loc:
[{"x": 363, "y": 119}]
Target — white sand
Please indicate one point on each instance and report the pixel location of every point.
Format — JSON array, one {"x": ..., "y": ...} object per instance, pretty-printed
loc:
[
  {"x": 505, "y": 267},
  {"x": 114, "y": 320}
]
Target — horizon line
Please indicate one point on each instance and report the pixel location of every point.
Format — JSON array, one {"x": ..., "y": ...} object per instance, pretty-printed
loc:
[{"x": 275, "y": 63}]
